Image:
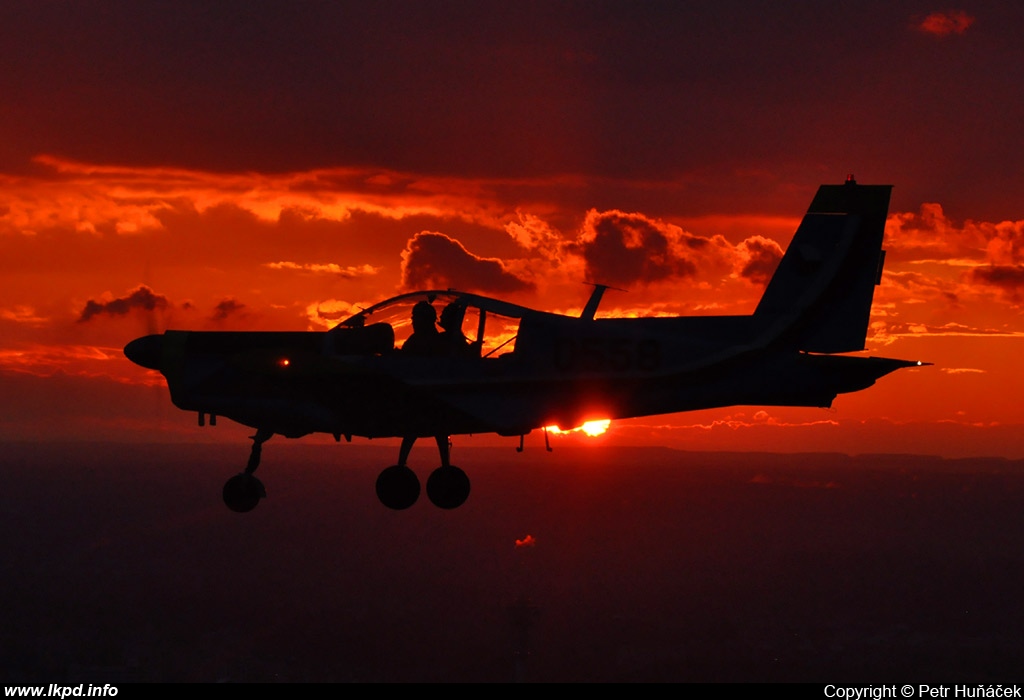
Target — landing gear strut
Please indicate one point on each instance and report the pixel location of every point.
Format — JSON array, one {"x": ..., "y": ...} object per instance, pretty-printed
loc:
[
  {"x": 243, "y": 492},
  {"x": 448, "y": 486}
]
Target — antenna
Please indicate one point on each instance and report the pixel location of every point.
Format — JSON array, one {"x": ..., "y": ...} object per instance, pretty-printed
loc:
[{"x": 595, "y": 300}]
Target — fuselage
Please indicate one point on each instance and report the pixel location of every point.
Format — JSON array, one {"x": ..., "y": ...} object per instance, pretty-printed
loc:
[{"x": 562, "y": 371}]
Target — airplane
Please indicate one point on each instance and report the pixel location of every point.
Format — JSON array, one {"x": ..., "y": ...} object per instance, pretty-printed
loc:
[{"x": 388, "y": 371}]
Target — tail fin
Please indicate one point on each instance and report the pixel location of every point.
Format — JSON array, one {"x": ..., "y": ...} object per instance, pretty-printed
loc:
[{"x": 824, "y": 284}]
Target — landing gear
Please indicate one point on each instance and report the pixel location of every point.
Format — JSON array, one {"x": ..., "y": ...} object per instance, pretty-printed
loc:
[
  {"x": 398, "y": 487},
  {"x": 448, "y": 486},
  {"x": 243, "y": 492}
]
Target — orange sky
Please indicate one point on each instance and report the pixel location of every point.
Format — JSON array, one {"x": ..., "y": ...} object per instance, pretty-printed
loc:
[
  {"x": 100, "y": 243},
  {"x": 93, "y": 256}
]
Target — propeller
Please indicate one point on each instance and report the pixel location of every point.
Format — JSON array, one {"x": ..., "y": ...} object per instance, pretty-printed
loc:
[{"x": 146, "y": 351}]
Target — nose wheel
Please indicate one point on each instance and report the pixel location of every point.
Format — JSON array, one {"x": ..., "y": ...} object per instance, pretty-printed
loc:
[{"x": 243, "y": 492}]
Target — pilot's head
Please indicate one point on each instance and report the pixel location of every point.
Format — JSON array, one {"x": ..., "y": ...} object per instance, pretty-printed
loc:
[
  {"x": 423, "y": 317},
  {"x": 452, "y": 316}
]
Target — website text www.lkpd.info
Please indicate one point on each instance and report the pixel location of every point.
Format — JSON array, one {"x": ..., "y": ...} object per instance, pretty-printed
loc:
[{"x": 55, "y": 690}]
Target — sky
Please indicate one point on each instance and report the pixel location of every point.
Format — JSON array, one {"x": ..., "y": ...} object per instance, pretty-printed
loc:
[{"x": 266, "y": 165}]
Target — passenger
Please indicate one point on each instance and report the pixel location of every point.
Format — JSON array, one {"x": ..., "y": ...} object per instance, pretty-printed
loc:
[
  {"x": 425, "y": 340},
  {"x": 453, "y": 339}
]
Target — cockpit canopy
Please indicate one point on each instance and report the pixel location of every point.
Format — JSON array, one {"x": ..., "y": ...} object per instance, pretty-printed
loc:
[{"x": 489, "y": 325}]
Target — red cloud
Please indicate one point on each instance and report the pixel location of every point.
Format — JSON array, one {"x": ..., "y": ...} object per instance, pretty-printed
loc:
[
  {"x": 992, "y": 252},
  {"x": 347, "y": 272},
  {"x": 945, "y": 22},
  {"x": 434, "y": 260},
  {"x": 1005, "y": 243},
  {"x": 930, "y": 234},
  {"x": 140, "y": 298},
  {"x": 760, "y": 257}
]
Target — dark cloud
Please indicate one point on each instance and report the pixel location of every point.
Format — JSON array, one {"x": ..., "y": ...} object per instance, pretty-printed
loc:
[
  {"x": 760, "y": 257},
  {"x": 627, "y": 248},
  {"x": 624, "y": 249},
  {"x": 226, "y": 308},
  {"x": 1009, "y": 279},
  {"x": 142, "y": 298},
  {"x": 433, "y": 260}
]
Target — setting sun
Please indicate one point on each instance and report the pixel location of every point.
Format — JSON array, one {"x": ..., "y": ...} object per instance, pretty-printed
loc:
[{"x": 592, "y": 428}]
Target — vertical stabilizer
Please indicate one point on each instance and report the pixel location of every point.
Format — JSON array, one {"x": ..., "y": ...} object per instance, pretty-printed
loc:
[{"x": 823, "y": 287}]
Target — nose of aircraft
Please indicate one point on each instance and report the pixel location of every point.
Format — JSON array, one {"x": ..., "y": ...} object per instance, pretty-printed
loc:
[{"x": 146, "y": 351}]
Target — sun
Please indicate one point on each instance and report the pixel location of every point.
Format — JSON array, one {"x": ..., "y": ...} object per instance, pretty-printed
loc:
[{"x": 592, "y": 428}]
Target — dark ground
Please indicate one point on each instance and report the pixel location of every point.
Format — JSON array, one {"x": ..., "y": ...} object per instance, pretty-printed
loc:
[{"x": 121, "y": 564}]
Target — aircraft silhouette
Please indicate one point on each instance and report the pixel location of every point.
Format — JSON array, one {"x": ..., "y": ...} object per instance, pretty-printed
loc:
[{"x": 524, "y": 369}]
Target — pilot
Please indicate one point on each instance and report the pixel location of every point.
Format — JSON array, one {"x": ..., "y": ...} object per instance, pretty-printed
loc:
[
  {"x": 425, "y": 339},
  {"x": 452, "y": 337}
]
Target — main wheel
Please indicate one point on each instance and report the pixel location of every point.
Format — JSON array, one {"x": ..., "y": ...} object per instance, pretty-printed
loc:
[
  {"x": 448, "y": 487},
  {"x": 243, "y": 492},
  {"x": 398, "y": 487}
]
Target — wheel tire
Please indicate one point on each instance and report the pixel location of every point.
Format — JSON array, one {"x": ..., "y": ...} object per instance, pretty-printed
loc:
[
  {"x": 448, "y": 487},
  {"x": 243, "y": 492},
  {"x": 398, "y": 487}
]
